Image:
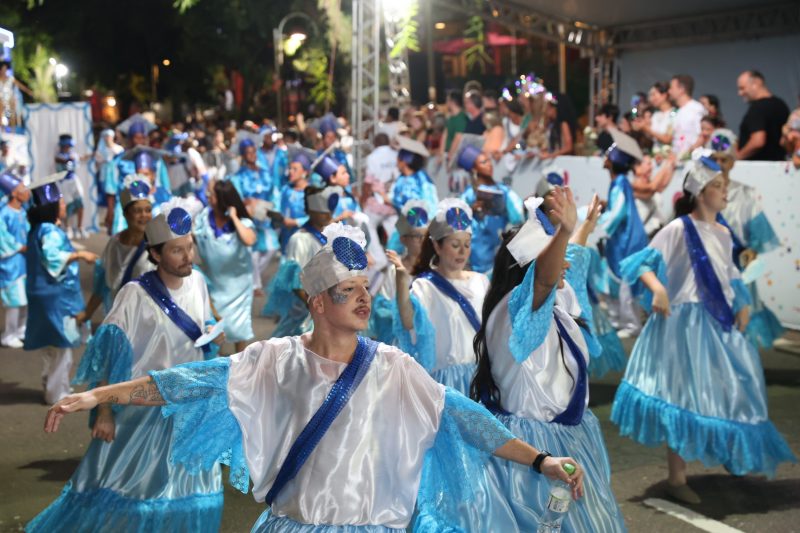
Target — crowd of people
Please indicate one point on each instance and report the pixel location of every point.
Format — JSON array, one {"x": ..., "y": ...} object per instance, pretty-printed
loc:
[{"x": 432, "y": 356}]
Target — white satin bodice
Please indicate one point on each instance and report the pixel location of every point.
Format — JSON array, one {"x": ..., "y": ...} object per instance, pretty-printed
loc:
[
  {"x": 542, "y": 386},
  {"x": 367, "y": 467},
  {"x": 156, "y": 341}
]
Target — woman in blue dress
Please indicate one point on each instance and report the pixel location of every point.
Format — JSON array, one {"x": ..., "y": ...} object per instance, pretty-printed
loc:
[
  {"x": 52, "y": 287},
  {"x": 694, "y": 382},
  {"x": 14, "y": 229},
  {"x": 224, "y": 234},
  {"x": 532, "y": 368},
  {"x": 293, "y": 198},
  {"x": 494, "y": 206}
]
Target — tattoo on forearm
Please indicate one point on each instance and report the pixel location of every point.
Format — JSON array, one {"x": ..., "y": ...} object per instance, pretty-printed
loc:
[
  {"x": 110, "y": 400},
  {"x": 147, "y": 394}
]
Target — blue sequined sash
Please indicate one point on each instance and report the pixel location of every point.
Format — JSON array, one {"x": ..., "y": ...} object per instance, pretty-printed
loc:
[
  {"x": 155, "y": 288},
  {"x": 128, "y": 274},
  {"x": 316, "y": 233},
  {"x": 315, "y": 429},
  {"x": 573, "y": 414},
  {"x": 708, "y": 285},
  {"x": 738, "y": 245},
  {"x": 451, "y": 292}
]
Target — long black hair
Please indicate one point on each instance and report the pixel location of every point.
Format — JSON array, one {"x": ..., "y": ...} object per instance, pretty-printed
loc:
[
  {"x": 507, "y": 275},
  {"x": 227, "y": 197},
  {"x": 39, "y": 214},
  {"x": 685, "y": 204}
]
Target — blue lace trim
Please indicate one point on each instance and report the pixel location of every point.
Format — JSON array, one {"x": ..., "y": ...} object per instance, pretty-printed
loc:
[
  {"x": 577, "y": 276},
  {"x": 468, "y": 435},
  {"x": 741, "y": 448},
  {"x": 424, "y": 350},
  {"x": 281, "y": 289},
  {"x": 528, "y": 327},
  {"x": 612, "y": 357},
  {"x": 206, "y": 432},
  {"x": 381, "y": 319},
  {"x": 73, "y": 510},
  {"x": 761, "y": 236},
  {"x": 741, "y": 296},
  {"x": 108, "y": 357},
  {"x": 631, "y": 268},
  {"x": 764, "y": 328}
]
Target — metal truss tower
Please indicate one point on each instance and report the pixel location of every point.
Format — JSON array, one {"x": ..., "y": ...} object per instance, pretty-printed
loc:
[{"x": 365, "y": 83}]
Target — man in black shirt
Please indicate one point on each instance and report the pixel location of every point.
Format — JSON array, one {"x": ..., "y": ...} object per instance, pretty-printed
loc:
[
  {"x": 473, "y": 106},
  {"x": 760, "y": 130},
  {"x": 606, "y": 121}
]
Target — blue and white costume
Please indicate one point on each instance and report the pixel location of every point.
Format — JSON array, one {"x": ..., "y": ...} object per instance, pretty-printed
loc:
[
  {"x": 67, "y": 161},
  {"x": 488, "y": 228},
  {"x": 14, "y": 229},
  {"x": 417, "y": 186},
  {"x": 403, "y": 448},
  {"x": 539, "y": 363},
  {"x": 276, "y": 161},
  {"x": 446, "y": 311},
  {"x": 131, "y": 483},
  {"x": 54, "y": 295},
  {"x": 612, "y": 356},
  {"x": 229, "y": 272},
  {"x": 292, "y": 204},
  {"x": 693, "y": 380}
]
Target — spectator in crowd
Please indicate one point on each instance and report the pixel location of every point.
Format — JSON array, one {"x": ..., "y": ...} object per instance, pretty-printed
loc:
[
  {"x": 382, "y": 161},
  {"x": 760, "y": 130},
  {"x": 489, "y": 101},
  {"x": 391, "y": 125},
  {"x": 606, "y": 121},
  {"x": 791, "y": 136},
  {"x": 456, "y": 118},
  {"x": 473, "y": 106},
  {"x": 711, "y": 103},
  {"x": 494, "y": 136},
  {"x": 708, "y": 124},
  {"x": 561, "y": 126},
  {"x": 662, "y": 123},
  {"x": 687, "y": 119}
]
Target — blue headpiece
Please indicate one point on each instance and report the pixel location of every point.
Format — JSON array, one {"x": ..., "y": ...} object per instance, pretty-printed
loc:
[
  {"x": 138, "y": 127},
  {"x": 327, "y": 167},
  {"x": 8, "y": 182},
  {"x": 303, "y": 159},
  {"x": 65, "y": 140},
  {"x": 144, "y": 160},
  {"x": 244, "y": 144},
  {"x": 47, "y": 192},
  {"x": 328, "y": 123},
  {"x": 405, "y": 156},
  {"x": 467, "y": 157}
]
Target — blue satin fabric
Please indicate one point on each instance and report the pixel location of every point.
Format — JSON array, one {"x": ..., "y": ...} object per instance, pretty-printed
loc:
[
  {"x": 258, "y": 184},
  {"x": 229, "y": 275},
  {"x": 708, "y": 284},
  {"x": 279, "y": 165},
  {"x": 632, "y": 268},
  {"x": 269, "y": 523},
  {"x": 14, "y": 229},
  {"x": 760, "y": 235},
  {"x": 527, "y": 492},
  {"x": 701, "y": 390},
  {"x": 50, "y": 298},
  {"x": 381, "y": 319},
  {"x": 130, "y": 485},
  {"x": 458, "y": 377},
  {"x": 292, "y": 204},
  {"x": 422, "y": 345},
  {"x": 612, "y": 357},
  {"x": 629, "y": 236},
  {"x": 340, "y": 393},
  {"x": 764, "y": 327},
  {"x": 417, "y": 186}
]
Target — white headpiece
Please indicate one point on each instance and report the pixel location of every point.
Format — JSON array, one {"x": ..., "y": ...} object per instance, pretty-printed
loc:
[
  {"x": 452, "y": 215},
  {"x": 552, "y": 177},
  {"x": 325, "y": 201},
  {"x": 700, "y": 173},
  {"x": 413, "y": 215},
  {"x": 174, "y": 221},
  {"x": 341, "y": 258},
  {"x": 531, "y": 238},
  {"x": 135, "y": 187}
]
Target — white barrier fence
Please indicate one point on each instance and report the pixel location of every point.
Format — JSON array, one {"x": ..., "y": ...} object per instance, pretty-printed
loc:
[{"x": 778, "y": 184}]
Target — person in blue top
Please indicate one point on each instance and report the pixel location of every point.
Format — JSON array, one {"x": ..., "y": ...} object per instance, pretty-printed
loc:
[
  {"x": 13, "y": 243},
  {"x": 335, "y": 174},
  {"x": 223, "y": 233},
  {"x": 67, "y": 160},
  {"x": 256, "y": 185},
  {"x": 52, "y": 287},
  {"x": 413, "y": 183},
  {"x": 625, "y": 230},
  {"x": 113, "y": 174},
  {"x": 292, "y": 202},
  {"x": 272, "y": 157},
  {"x": 328, "y": 127},
  {"x": 494, "y": 207}
]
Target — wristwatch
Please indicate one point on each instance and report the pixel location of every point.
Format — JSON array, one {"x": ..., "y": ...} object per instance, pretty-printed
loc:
[{"x": 537, "y": 463}]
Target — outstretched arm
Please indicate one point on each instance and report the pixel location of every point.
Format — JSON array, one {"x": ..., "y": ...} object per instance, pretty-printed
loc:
[
  {"x": 140, "y": 391},
  {"x": 550, "y": 263},
  {"x": 403, "y": 292}
]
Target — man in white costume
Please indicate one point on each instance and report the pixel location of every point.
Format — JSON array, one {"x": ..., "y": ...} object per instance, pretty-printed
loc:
[{"x": 383, "y": 437}]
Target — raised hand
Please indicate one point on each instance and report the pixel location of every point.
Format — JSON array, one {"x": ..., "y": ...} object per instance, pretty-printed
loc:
[
  {"x": 394, "y": 259},
  {"x": 563, "y": 209}
]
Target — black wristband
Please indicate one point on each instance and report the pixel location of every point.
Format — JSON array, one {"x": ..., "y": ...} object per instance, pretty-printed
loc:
[{"x": 537, "y": 463}]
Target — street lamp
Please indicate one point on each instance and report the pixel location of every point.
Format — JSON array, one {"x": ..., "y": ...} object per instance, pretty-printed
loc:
[
  {"x": 60, "y": 72},
  {"x": 297, "y": 39}
]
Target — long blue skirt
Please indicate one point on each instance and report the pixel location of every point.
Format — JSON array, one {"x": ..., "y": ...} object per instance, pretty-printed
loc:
[
  {"x": 129, "y": 485},
  {"x": 269, "y": 523},
  {"x": 700, "y": 390}
]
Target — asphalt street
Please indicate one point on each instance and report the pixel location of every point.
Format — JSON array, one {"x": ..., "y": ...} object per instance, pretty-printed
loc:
[{"x": 34, "y": 466}]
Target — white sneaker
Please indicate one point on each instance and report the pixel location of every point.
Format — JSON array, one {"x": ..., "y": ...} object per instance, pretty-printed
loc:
[
  {"x": 70, "y": 234},
  {"x": 13, "y": 342}
]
